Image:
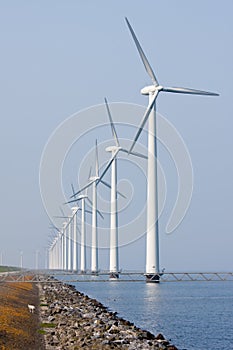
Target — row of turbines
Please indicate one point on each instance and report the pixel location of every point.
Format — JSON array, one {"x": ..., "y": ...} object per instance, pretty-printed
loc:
[{"x": 63, "y": 250}]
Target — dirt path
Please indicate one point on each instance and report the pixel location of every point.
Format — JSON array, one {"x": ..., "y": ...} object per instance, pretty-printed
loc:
[{"x": 19, "y": 329}]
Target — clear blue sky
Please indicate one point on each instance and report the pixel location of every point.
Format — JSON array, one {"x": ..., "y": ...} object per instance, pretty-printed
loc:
[{"x": 59, "y": 57}]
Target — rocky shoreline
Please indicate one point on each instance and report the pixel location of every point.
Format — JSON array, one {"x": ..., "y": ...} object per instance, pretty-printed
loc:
[{"x": 72, "y": 320}]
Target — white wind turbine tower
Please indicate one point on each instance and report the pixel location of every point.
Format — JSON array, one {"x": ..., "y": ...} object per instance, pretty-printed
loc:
[
  {"x": 69, "y": 242},
  {"x": 152, "y": 244},
  {"x": 83, "y": 233},
  {"x": 115, "y": 149},
  {"x": 64, "y": 246},
  {"x": 75, "y": 258},
  {"x": 21, "y": 259},
  {"x": 1, "y": 258},
  {"x": 94, "y": 236}
]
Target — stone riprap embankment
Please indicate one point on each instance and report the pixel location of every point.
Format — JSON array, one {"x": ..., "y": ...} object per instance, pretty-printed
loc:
[{"x": 71, "y": 320}]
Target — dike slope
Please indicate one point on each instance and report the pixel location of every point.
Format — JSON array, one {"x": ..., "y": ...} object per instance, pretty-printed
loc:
[
  {"x": 72, "y": 320},
  {"x": 19, "y": 329}
]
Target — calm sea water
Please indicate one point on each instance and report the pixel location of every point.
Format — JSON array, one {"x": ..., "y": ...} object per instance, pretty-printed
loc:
[{"x": 194, "y": 315}]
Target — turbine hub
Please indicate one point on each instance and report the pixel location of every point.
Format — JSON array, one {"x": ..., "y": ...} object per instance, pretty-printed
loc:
[
  {"x": 94, "y": 178},
  {"x": 82, "y": 196},
  {"x": 111, "y": 149},
  {"x": 74, "y": 209},
  {"x": 151, "y": 89}
]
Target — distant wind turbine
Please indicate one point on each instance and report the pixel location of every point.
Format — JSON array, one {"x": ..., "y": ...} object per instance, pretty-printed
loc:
[
  {"x": 92, "y": 181},
  {"x": 83, "y": 198},
  {"x": 21, "y": 259},
  {"x": 65, "y": 256},
  {"x": 37, "y": 259},
  {"x": 152, "y": 244}
]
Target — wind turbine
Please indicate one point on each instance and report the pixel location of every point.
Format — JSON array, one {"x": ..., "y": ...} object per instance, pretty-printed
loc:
[
  {"x": 82, "y": 197},
  {"x": 65, "y": 258},
  {"x": 152, "y": 243},
  {"x": 115, "y": 149}
]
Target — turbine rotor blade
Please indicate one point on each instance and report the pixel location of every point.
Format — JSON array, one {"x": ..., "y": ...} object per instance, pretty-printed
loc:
[
  {"x": 98, "y": 212},
  {"x": 134, "y": 153},
  {"x": 181, "y": 90},
  {"x": 142, "y": 55},
  {"x": 143, "y": 122},
  {"x": 54, "y": 227},
  {"x": 108, "y": 166},
  {"x": 90, "y": 172},
  {"x": 105, "y": 184},
  {"x": 109, "y": 186},
  {"x": 73, "y": 200},
  {"x": 114, "y": 133},
  {"x": 88, "y": 211},
  {"x": 62, "y": 211},
  {"x": 90, "y": 202},
  {"x": 86, "y": 191},
  {"x": 72, "y": 187},
  {"x": 82, "y": 189}
]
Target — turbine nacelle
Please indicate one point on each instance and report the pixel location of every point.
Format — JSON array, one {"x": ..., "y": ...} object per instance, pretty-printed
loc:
[
  {"x": 94, "y": 178},
  {"x": 112, "y": 149},
  {"x": 75, "y": 209},
  {"x": 82, "y": 196},
  {"x": 151, "y": 89}
]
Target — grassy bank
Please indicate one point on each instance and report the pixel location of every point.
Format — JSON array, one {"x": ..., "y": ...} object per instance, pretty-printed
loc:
[
  {"x": 18, "y": 327},
  {"x": 8, "y": 268}
]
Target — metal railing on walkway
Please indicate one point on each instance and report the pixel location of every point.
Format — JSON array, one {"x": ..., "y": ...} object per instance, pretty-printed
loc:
[{"x": 46, "y": 276}]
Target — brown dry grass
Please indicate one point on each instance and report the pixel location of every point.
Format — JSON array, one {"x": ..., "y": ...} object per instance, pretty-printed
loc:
[{"x": 18, "y": 327}]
